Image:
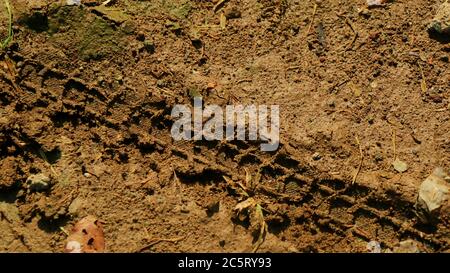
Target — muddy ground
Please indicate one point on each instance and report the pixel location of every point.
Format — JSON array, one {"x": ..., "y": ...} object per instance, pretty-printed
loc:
[{"x": 86, "y": 95}]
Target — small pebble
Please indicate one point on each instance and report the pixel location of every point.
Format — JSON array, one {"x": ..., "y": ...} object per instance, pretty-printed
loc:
[
  {"x": 73, "y": 2},
  {"x": 441, "y": 22},
  {"x": 232, "y": 13},
  {"x": 149, "y": 46},
  {"x": 140, "y": 36},
  {"x": 434, "y": 192},
  {"x": 316, "y": 156},
  {"x": 407, "y": 246},
  {"x": 375, "y": 3},
  {"x": 38, "y": 182},
  {"x": 373, "y": 247}
]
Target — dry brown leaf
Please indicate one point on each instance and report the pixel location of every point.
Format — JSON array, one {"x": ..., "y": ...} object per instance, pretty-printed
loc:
[
  {"x": 250, "y": 202},
  {"x": 86, "y": 237},
  {"x": 263, "y": 228}
]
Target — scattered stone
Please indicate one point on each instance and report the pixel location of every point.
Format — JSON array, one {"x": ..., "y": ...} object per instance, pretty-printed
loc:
[
  {"x": 400, "y": 166},
  {"x": 433, "y": 194},
  {"x": 75, "y": 206},
  {"x": 73, "y": 2},
  {"x": 232, "y": 13},
  {"x": 364, "y": 12},
  {"x": 331, "y": 103},
  {"x": 444, "y": 58},
  {"x": 316, "y": 156},
  {"x": 185, "y": 209},
  {"x": 379, "y": 157},
  {"x": 408, "y": 246},
  {"x": 149, "y": 46},
  {"x": 129, "y": 27},
  {"x": 38, "y": 182},
  {"x": 140, "y": 36},
  {"x": 373, "y": 247},
  {"x": 292, "y": 188},
  {"x": 376, "y": 3},
  {"x": 441, "y": 22},
  {"x": 213, "y": 207}
]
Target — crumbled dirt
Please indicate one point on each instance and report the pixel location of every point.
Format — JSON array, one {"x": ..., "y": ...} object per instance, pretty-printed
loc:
[{"x": 86, "y": 96}]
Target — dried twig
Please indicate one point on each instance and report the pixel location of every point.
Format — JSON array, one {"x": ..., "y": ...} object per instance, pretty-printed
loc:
[
  {"x": 355, "y": 33},
  {"x": 394, "y": 145},
  {"x": 219, "y": 5},
  {"x": 64, "y": 231},
  {"x": 312, "y": 20},
  {"x": 360, "y": 161},
  {"x": 107, "y": 2},
  {"x": 423, "y": 82},
  {"x": 337, "y": 85},
  {"x": 155, "y": 241}
]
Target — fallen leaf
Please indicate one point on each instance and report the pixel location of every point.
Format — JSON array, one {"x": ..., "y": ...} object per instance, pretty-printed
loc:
[
  {"x": 86, "y": 237},
  {"x": 250, "y": 202},
  {"x": 261, "y": 223},
  {"x": 236, "y": 187},
  {"x": 248, "y": 179}
]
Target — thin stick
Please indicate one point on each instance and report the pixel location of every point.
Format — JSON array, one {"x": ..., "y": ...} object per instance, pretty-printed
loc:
[
  {"x": 219, "y": 5},
  {"x": 423, "y": 83},
  {"x": 312, "y": 19},
  {"x": 106, "y": 2},
  {"x": 63, "y": 230},
  {"x": 360, "y": 162},
  {"x": 355, "y": 35},
  {"x": 155, "y": 241},
  {"x": 394, "y": 145}
]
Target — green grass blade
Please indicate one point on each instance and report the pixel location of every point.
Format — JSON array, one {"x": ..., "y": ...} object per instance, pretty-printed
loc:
[{"x": 10, "y": 31}]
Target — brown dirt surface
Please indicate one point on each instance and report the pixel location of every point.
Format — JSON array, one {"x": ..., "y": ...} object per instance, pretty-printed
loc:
[{"x": 86, "y": 94}]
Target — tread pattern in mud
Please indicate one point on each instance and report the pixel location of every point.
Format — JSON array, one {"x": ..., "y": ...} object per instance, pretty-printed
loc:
[{"x": 297, "y": 198}]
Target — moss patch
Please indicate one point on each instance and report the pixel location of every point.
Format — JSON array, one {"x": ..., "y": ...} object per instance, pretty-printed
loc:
[
  {"x": 89, "y": 35},
  {"x": 180, "y": 10}
]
